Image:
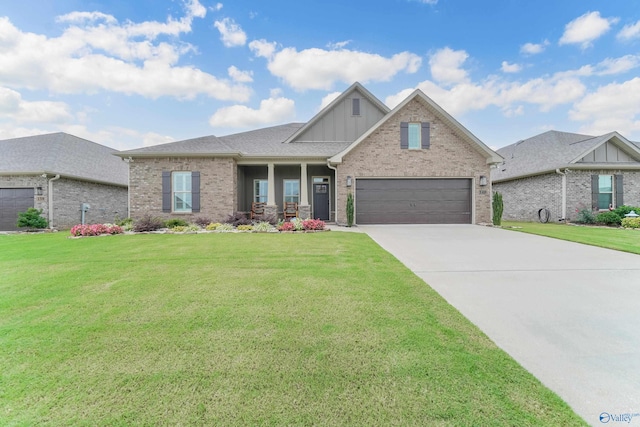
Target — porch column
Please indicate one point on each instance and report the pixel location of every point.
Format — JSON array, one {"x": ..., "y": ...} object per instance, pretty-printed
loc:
[
  {"x": 304, "y": 210},
  {"x": 271, "y": 185}
]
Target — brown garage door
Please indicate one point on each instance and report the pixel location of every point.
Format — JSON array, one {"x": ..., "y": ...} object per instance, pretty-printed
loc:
[
  {"x": 12, "y": 201},
  {"x": 413, "y": 201}
]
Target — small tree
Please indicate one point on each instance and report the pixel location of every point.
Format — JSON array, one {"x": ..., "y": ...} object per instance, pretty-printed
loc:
[
  {"x": 498, "y": 207},
  {"x": 32, "y": 219},
  {"x": 349, "y": 209}
]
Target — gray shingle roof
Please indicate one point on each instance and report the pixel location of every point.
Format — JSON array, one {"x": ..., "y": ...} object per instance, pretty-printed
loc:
[
  {"x": 545, "y": 152},
  {"x": 64, "y": 154},
  {"x": 267, "y": 142}
]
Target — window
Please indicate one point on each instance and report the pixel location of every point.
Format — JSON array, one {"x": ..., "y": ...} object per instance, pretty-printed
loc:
[
  {"x": 355, "y": 106},
  {"x": 414, "y": 136},
  {"x": 181, "y": 191},
  {"x": 260, "y": 189},
  {"x": 292, "y": 190},
  {"x": 605, "y": 191}
]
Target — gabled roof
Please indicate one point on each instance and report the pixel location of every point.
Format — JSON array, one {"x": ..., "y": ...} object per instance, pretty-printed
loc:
[
  {"x": 558, "y": 150},
  {"x": 266, "y": 142},
  {"x": 461, "y": 131},
  {"x": 356, "y": 87},
  {"x": 64, "y": 154}
]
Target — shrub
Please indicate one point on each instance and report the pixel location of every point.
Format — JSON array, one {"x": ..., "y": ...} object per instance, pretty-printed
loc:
[
  {"x": 631, "y": 222},
  {"x": 147, "y": 223},
  {"x": 287, "y": 226},
  {"x": 608, "y": 218},
  {"x": 624, "y": 209},
  {"x": 497, "y": 207},
  {"x": 225, "y": 228},
  {"x": 313, "y": 224},
  {"x": 245, "y": 227},
  {"x": 126, "y": 224},
  {"x": 179, "y": 229},
  {"x": 213, "y": 226},
  {"x": 95, "y": 229},
  {"x": 585, "y": 216},
  {"x": 298, "y": 224},
  {"x": 238, "y": 218},
  {"x": 202, "y": 221},
  {"x": 349, "y": 209},
  {"x": 263, "y": 227},
  {"x": 32, "y": 219},
  {"x": 175, "y": 222},
  {"x": 270, "y": 218}
]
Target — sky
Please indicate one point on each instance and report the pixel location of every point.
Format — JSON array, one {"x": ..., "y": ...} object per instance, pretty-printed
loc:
[{"x": 129, "y": 74}]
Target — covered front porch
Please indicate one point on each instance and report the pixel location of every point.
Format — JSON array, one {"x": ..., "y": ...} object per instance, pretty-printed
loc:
[{"x": 309, "y": 184}]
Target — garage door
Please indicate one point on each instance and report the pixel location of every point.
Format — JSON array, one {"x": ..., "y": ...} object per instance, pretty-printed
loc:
[
  {"x": 413, "y": 201},
  {"x": 12, "y": 201}
]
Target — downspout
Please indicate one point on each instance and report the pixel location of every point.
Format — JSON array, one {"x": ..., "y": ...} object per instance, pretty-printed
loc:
[
  {"x": 50, "y": 190},
  {"x": 128, "y": 161},
  {"x": 335, "y": 181},
  {"x": 564, "y": 193}
]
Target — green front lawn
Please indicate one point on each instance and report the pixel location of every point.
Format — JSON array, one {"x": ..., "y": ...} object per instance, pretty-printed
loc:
[
  {"x": 626, "y": 240},
  {"x": 243, "y": 329}
]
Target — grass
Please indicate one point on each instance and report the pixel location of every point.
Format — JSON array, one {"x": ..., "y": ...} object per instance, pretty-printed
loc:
[
  {"x": 243, "y": 329},
  {"x": 626, "y": 240}
]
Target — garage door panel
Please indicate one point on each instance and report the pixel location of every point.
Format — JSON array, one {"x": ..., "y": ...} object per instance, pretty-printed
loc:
[
  {"x": 12, "y": 202},
  {"x": 413, "y": 201}
]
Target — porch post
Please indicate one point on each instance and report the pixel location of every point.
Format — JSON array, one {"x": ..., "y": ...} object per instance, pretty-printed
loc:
[
  {"x": 304, "y": 210},
  {"x": 271, "y": 185}
]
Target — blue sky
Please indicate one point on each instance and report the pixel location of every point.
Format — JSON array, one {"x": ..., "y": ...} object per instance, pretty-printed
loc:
[{"x": 129, "y": 74}]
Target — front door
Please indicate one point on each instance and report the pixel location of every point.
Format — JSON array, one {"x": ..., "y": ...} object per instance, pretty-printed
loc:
[{"x": 321, "y": 201}]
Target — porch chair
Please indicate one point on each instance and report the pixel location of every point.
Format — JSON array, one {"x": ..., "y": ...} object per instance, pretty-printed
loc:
[
  {"x": 257, "y": 209},
  {"x": 290, "y": 210}
]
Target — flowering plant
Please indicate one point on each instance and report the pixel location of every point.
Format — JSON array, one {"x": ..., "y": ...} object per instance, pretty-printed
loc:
[
  {"x": 287, "y": 226},
  {"x": 95, "y": 229},
  {"x": 313, "y": 224}
]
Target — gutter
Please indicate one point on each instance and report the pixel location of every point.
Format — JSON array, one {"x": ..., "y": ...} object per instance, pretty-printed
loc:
[
  {"x": 564, "y": 193},
  {"x": 335, "y": 180},
  {"x": 50, "y": 190}
]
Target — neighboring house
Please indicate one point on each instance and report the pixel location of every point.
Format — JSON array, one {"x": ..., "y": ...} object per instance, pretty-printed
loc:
[
  {"x": 412, "y": 164},
  {"x": 57, "y": 173},
  {"x": 565, "y": 173}
]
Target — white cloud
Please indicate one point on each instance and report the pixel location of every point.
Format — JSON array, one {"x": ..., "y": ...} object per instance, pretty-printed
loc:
[
  {"x": 97, "y": 53},
  {"x": 610, "y": 108},
  {"x": 240, "y": 76},
  {"x": 338, "y": 45},
  {"x": 534, "y": 48},
  {"x": 618, "y": 65},
  {"x": 445, "y": 65},
  {"x": 586, "y": 28},
  {"x": 320, "y": 69},
  {"x": 230, "y": 33},
  {"x": 428, "y": 1},
  {"x": 217, "y": 7},
  {"x": 629, "y": 32},
  {"x": 20, "y": 111},
  {"x": 510, "y": 68},
  {"x": 271, "y": 111},
  {"x": 328, "y": 99}
]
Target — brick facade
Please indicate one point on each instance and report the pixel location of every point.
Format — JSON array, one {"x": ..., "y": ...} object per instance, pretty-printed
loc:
[
  {"x": 218, "y": 186},
  {"x": 108, "y": 202},
  {"x": 449, "y": 156},
  {"x": 524, "y": 197}
]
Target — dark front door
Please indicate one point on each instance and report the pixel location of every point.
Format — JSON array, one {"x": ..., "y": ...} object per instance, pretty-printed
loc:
[
  {"x": 321, "y": 201},
  {"x": 13, "y": 201}
]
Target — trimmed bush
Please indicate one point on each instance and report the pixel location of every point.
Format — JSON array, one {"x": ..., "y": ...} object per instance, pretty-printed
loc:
[
  {"x": 175, "y": 222},
  {"x": 585, "y": 216},
  {"x": 245, "y": 227},
  {"x": 631, "y": 222},
  {"x": 213, "y": 226},
  {"x": 497, "y": 207},
  {"x": 608, "y": 218},
  {"x": 349, "y": 209},
  {"x": 32, "y": 218}
]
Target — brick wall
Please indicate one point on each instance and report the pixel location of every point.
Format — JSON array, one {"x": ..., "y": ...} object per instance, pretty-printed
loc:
[
  {"x": 449, "y": 156},
  {"x": 218, "y": 186},
  {"x": 579, "y": 188}
]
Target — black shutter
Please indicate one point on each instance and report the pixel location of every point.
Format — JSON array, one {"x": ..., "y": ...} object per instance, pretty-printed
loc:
[
  {"x": 619, "y": 191},
  {"x": 195, "y": 191},
  {"x": 594, "y": 192},
  {"x": 404, "y": 135},
  {"x": 166, "y": 191},
  {"x": 426, "y": 135}
]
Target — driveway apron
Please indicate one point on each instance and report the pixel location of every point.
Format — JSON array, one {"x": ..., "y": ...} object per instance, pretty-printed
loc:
[{"x": 568, "y": 313}]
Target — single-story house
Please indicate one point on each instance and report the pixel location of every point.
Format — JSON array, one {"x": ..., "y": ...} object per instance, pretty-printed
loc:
[
  {"x": 564, "y": 173},
  {"x": 58, "y": 173},
  {"x": 412, "y": 164}
]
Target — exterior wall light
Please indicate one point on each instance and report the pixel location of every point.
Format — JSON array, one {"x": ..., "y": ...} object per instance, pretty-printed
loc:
[
  {"x": 39, "y": 191},
  {"x": 483, "y": 180},
  {"x": 349, "y": 181}
]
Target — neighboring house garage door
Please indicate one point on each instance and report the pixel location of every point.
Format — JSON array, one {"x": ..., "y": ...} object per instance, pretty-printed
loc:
[
  {"x": 413, "y": 201},
  {"x": 13, "y": 201}
]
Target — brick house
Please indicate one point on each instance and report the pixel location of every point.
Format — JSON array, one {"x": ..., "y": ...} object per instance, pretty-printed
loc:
[
  {"x": 412, "y": 164},
  {"x": 565, "y": 173},
  {"x": 58, "y": 173}
]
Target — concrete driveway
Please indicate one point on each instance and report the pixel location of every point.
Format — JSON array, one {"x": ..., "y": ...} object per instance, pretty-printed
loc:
[{"x": 568, "y": 313}]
